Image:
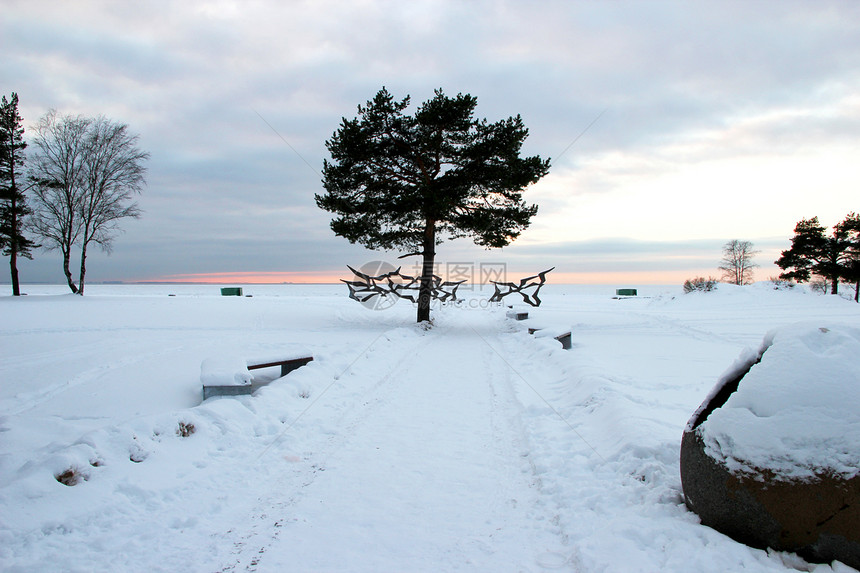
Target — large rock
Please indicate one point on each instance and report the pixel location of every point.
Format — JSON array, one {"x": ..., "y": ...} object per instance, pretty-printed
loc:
[{"x": 772, "y": 456}]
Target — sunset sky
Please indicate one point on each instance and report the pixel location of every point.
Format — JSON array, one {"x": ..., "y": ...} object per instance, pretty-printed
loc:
[{"x": 709, "y": 121}]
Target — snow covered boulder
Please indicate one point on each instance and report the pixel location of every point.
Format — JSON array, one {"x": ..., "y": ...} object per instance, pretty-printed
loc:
[{"x": 772, "y": 456}]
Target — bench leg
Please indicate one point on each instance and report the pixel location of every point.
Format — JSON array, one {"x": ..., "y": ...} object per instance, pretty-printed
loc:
[
  {"x": 288, "y": 367},
  {"x": 565, "y": 341}
]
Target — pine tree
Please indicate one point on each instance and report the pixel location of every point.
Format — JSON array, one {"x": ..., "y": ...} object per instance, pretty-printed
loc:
[
  {"x": 849, "y": 231},
  {"x": 812, "y": 252},
  {"x": 13, "y": 202},
  {"x": 399, "y": 181}
]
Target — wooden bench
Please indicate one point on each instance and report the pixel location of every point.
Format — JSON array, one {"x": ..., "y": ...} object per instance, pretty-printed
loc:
[
  {"x": 287, "y": 365},
  {"x": 517, "y": 315},
  {"x": 228, "y": 376}
]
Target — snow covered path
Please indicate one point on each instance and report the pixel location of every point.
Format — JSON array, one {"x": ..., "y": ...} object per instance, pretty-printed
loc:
[{"x": 420, "y": 476}]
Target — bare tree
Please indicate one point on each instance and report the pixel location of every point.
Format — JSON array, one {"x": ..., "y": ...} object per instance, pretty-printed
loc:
[
  {"x": 113, "y": 173},
  {"x": 85, "y": 173},
  {"x": 56, "y": 170},
  {"x": 737, "y": 265}
]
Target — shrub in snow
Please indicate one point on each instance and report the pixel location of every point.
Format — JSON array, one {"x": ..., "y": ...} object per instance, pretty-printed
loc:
[
  {"x": 700, "y": 284},
  {"x": 71, "y": 476},
  {"x": 772, "y": 456},
  {"x": 781, "y": 284},
  {"x": 185, "y": 429}
]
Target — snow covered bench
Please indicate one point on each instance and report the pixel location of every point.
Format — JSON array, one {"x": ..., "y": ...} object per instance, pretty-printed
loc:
[
  {"x": 560, "y": 334},
  {"x": 517, "y": 314},
  {"x": 231, "y": 376}
]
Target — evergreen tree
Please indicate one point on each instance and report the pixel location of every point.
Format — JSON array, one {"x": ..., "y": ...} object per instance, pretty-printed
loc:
[
  {"x": 812, "y": 252},
  {"x": 806, "y": 245},
  {"x": 13, "y": 202},
  {"x": 849, "y": 230},
  {"x": 399, "y": 181}
]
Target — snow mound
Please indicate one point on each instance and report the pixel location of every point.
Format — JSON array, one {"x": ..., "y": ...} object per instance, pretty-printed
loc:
[
  {"x": 225, "y": 371},
  {"x": 797, "y": 411}
]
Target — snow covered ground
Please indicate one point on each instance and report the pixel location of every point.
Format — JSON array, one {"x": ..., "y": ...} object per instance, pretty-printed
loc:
[{"x": 471, "y": 446}]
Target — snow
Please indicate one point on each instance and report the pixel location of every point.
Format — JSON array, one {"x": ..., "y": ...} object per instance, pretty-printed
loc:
[
  {"x": 288, "y": 352},
  {"x": 225, "y": 371},
  {"x": 470, "y": 446},
  {"x": 797, "y": 411}
]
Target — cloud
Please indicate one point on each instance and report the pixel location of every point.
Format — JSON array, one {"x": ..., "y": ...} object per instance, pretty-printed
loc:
[{"x": 703, "y": 104}]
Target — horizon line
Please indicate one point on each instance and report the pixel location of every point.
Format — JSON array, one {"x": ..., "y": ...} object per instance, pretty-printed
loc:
[
  {"x": 557, "y": 276},
  {"x": 630, "y": 278}
]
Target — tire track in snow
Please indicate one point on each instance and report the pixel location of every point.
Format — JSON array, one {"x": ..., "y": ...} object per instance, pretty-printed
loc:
[
  {"x": 623, "y": 509},
  {"x": 254, "y": 540},
  {"x": 429, "y": 469}
]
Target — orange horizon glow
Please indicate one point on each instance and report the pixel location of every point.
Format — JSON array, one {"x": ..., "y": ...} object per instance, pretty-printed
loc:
[
  {"x": 253, "y": 277},
  {"x": 335, "y": 276}
]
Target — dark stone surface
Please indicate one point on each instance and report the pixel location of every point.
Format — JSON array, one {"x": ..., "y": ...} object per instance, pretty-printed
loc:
[{"x": 817, "y": 518}]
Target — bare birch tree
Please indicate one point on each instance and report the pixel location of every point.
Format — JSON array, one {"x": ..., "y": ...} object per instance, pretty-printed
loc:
[
  {"x": 86, "y": 172},
  {"x": 737, "y": 265},
  {"x": 56, "y": 170},
  {"x": 113, "y": 174}
]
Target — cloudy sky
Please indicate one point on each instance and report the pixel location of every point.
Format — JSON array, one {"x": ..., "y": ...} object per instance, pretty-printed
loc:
[{"x": 673, "y": 127}]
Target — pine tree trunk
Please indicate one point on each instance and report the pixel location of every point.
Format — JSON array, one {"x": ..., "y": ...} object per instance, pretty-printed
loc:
[
  {"x": 13, "y": 264},
  {"x": 425, "y": 291},
  {"x": 13, "y": 242},
  {"x": 14, "y": 231},
  {"x": 857, "y": 291},
  {"x": 834, "y": 286}
]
